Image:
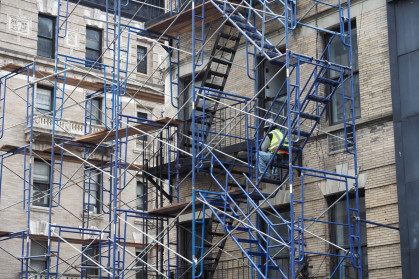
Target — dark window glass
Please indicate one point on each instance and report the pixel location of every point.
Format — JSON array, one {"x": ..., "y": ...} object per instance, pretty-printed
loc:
[
  {"x": 44, "y": 97},
  {"x": 186, "y": 251},
  {"x": 38, "y": 251},
  {"x": 275, "y": 91},
  {"x": 41, "y": 185},
  {"x": 94, "y": 108},
  {"x": 142, "y": 59},
  {"x": 340, "y": 236},
  {"x": 141, "y": 196},
  {"x": 46, "y": 31},
  {"x": 279, "y": 253},
  {"x": 141, "y": 267},
  {"x": 144, "y": 116},
  {"x": 92, "y": 183},
  {"x": 93, "y": 44},
  {"x": 90, "y": 267},
  {"x": 340, "y": 55}
]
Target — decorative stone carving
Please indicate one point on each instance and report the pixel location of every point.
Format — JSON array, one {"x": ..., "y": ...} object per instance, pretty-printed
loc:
[
  {"x": 47, "y": 6},
  {"x": 38, "y": 227},
  {"x": 72, "y": 39},
  {"x": 329, "y": 186},
  {"x": 19, "y": 25},
  {"x": 42, "y": 126},
  {"x": 97, "y": 15}
]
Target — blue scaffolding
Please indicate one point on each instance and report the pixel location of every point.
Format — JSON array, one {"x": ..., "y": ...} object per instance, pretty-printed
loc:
[{"x": 216, "y": 121}]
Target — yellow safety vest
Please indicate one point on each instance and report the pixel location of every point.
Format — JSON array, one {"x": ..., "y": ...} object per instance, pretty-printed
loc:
[{"x": 276, "y": 140}]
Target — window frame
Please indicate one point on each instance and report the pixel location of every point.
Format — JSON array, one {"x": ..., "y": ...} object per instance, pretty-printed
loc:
[
  {"x": 87, "y": 191},
  {"x": 95, "y": 119},
  {"x": 141, "y": 268},
  {"x": 333, "y": 234},
  {"x": 143, "y": 196},
  {"x": 284, "y": 259},
  {"x": 36, "y": 183},
  {"x": 89, "y": 61},
  {"x": 357, "y": 89},
  {"x": 51, "y": 90},
  {"x": 52, "y": 39},
  {"x": 142, "y": 66},
  {"x": 42, "y": 245},
  {"x": 144, "y": 115},
  {"x": 95, "y": 256}
]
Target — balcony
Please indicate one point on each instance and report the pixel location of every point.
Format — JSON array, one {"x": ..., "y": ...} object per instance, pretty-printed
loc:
[{"x": 42, "y": 128}]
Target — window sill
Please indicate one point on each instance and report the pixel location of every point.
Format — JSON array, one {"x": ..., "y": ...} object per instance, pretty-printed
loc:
[
  {"x": 359, "y": 122},
  {"x": 94, "y": 216},
  {"x": 41, "y": 209},
  {"x": 141, "y": 75}
]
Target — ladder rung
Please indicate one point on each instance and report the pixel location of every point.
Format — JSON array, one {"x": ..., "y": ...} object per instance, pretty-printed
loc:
[
  {"x": 220, "y": 61},
  {"x": 242, "y": 229},
  {"x": 228, "y": 36},
  {"x": 216, "y": 233},
  {"x": 256, "y": 254},
  {"x": 214, "y": 86},
  {"x": 302, "y": 133},
  {"x": 328, "y": 81},
  {"x": 318, "y": 99},
  {"x": 246, "y": 27},
  {"x": 246, "y": 240},
  {"x": 237, "y": 18},
  {"x": 267, "y": 46},
  {"x": 272, "y": 267},
  {"x": 310, "y": 116},
  {"x": 254, "y": 35},
  {"x": 225, "y": 49},
  {"x": 215, "y": 73}
]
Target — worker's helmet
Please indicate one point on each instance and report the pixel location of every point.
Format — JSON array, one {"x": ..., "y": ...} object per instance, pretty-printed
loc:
[{"x": 268, "y": 123}]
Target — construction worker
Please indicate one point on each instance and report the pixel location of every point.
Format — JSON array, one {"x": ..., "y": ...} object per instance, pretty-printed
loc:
[{"x": 269, "y": 146}]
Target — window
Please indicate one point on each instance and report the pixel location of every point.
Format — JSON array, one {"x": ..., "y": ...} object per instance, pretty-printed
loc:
[
  {"x": 46, "y": 32},
  {"x": 41, "y": 183},
  {"x": 279, "y": 254},
  {"x": 92, "y": 182},
  {"x": 93, "y": 45},
  {"x": 336, "y": 140},
  {"x": 141, "y": 196},
  {"x": 340, "y": 236},
  {"x": 186, "y": 251},
  {"x": 38, "y": 252},
  {"x": 141, "y": 267},
  {"x": 44, "y": 97},
  {"x": 274, "y": 91},
  {"x": 142, "y": 60},
  {"x": 143, "y": 115},
  {"x": 94, "y": 109},
  {"x": 340, "y": 55},
  {"x": 90, "y": 267}
]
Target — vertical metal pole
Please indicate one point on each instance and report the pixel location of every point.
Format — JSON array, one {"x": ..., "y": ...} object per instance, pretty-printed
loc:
[
  {"x": 193, "y": 232},
  {"x": 193, "y": 98},
  {"x": 116, "y": 127},
  {"x": 292, "y": 244}
]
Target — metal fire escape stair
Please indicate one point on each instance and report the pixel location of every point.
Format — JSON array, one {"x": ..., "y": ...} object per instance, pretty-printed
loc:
[
  {"x": 241, "y": 229},
  {"x": 213, "y": 80},
  {"x": 237, "y": 18},
  {"x": 305, "y": 116}
]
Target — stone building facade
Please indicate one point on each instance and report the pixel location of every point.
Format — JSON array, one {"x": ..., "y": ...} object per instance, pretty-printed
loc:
[
  {"x": 326, "y": 150},
  {"x": 374, "y": 135},
  {"x": 28, "y": 31}
]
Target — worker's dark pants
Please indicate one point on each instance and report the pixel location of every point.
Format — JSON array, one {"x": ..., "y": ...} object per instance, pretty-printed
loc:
[{"x": 264, "y": 158}]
